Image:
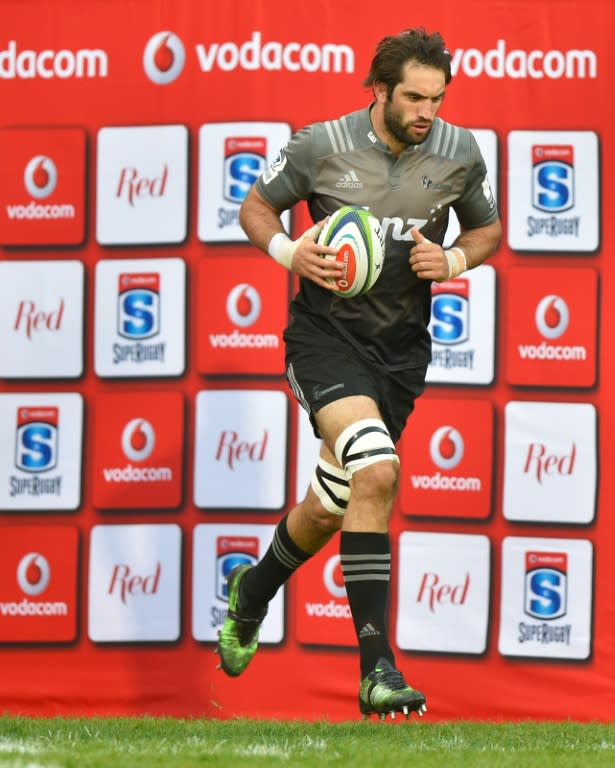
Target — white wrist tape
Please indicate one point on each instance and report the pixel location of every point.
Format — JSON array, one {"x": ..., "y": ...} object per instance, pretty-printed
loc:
[
  {"x": 457, "y": 262},
  {"x": 282, "y": 248}
]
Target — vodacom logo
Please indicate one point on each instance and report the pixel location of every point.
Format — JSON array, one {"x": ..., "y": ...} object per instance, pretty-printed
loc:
[
  {"x": 552, "y": 316},
  {"x": 446, "y": 447},
  {"x": 334, "y": 578},
  {"x": 40, "y": 177},
  {"x": 33, "y": 573},
  {"x": 243, "y": 305},
  {"x": 164, "y": 57},
  {"x": 138, "y": 440}
]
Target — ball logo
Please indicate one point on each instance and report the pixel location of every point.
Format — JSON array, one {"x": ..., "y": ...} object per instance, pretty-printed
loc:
[
  {"x": 33, "y": 573},
  {"x": 552, "y": 316},
  {"x": 333, "y": 577},
  {"x": 446, "y": 447},
  {"x": 243, "y": 305},
  {"x": 164, "y": 58},
  {"x": 40, "y": 177},
  {"x": 138, "y": 440}
]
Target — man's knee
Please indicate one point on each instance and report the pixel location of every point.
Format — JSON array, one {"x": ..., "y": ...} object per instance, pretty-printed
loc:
[
  {"x": 379, "y": 480},
  {"x": 365, "y": 443}
]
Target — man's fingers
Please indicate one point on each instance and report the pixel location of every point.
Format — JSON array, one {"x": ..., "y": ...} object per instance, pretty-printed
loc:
[{"x": 417, "y": 236}]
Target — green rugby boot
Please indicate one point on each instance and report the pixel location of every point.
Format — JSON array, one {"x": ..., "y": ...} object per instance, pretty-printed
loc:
[
  {"x": 238, "y": 638},
  {"x": 384, "y": 691}
]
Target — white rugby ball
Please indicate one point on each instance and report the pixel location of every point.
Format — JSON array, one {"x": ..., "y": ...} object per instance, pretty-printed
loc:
[{"x": 358, "y": 235}]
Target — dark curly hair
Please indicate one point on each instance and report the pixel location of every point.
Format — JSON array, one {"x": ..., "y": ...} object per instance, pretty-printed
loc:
[{"x": 393, "y": 51}]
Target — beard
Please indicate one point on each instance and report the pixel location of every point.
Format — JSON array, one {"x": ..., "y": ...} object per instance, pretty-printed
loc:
[{"x": 398, "y": 130}]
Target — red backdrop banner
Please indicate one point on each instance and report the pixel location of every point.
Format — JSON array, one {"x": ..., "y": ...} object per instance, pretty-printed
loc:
[{"x": 150, "y": 441}]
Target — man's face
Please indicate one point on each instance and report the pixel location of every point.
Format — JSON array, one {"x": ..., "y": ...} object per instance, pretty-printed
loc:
[{"x": 409, "y": 113}]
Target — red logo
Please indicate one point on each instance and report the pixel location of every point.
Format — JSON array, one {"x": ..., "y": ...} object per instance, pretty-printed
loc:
[
  {"x": 42, "y": 197},
  {"x": 323, "y": 615},
  {"x": 126, "y": 583},
  {"x": 138, "y": 456},
  {"x": 38, "y": 584},
  {"x": 446, "y": 459},
  {"x": 542, "y": 463},
  {"x": 232, "y": 450},
  {"x": 434, "y": 591},
  {"x": 31, "y": 319},
  {"x": 552, "y": 327},
  {"x": 243, "y": 310},
  {"x": 132, "y": 186}
]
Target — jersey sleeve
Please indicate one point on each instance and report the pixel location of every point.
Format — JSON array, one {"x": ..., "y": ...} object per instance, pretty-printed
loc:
[
  {"x": 288, "y": 179},
  {"x": 476, "y": 207}
]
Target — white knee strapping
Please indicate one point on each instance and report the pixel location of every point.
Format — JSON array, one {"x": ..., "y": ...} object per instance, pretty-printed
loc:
[
  {"x": 331, "y": 486},
  {"x": 363, "y": 443}
]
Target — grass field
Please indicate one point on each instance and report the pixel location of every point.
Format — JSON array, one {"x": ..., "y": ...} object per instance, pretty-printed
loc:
[{"x": 171, "y": 743}]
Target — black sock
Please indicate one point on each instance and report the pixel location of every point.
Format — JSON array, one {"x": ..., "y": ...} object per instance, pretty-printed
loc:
[
  {"x": 366, "y": 565},
  {"x": 277, "y": 565}
]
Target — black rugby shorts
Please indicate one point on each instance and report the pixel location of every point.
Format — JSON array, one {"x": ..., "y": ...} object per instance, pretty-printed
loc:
[{"x": 322, "y": 367}]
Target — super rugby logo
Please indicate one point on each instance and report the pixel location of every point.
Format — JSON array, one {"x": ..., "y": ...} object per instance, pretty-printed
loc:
[
  {"x": 446, "y": 447},
  {"x": 37, "y": 439},
  {"x": 164, "y": 58},
  {"x": 33, "y": 574},
  {"x": 552, "y": 316},
  {"x": 552, "y": 178},
  {"x": 138, "y": 440},
  {"x": 243, "y": 305},
  {"x": 40, "y": 177}
]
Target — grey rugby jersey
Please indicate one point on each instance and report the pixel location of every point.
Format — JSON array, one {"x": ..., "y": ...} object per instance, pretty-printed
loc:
[{"x": 342, "y": 162}]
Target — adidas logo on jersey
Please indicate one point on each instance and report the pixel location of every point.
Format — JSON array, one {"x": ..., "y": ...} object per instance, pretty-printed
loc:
[{"x": 349, "y": 181}]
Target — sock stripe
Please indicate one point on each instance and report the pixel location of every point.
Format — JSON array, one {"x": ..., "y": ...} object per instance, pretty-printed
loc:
[
  {"x": 283, "y": 555},
  {"x": 365, "y": 558},
  {"x": 368, "y": 577}
]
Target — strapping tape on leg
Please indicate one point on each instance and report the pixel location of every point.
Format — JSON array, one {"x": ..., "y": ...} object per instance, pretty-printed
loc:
[
  {"x": 331, "y": 486},
  {"x": 363, "y": 443}
]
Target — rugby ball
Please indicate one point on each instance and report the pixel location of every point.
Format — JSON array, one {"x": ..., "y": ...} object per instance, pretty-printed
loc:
[{"x": 358, "y": 235}]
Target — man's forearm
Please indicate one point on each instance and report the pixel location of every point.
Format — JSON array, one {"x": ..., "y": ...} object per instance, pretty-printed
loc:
[{"x": 478, "y": 244}]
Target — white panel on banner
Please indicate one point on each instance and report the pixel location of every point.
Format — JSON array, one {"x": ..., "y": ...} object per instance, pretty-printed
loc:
[
  {"x": 134, "y": 583},
  {"x": 217, "y": 549},
  {"x": 462, "y": 329},
  {"x": 140, "y": 317},
  {"x": 546, "y": 604},
  {"x": 142, "y": 185},
  {"x": 231, "y": 157},
  {"x": 40, "y": 451},
  {"x": 41, "y": 319},
  {"x": 553, "y": 191},
  {"x": 443, "y": 592},
  {"x": 240, "y": 454},
  {"x": 487, "y": 140},
  {"x": 550, "y": 462}
]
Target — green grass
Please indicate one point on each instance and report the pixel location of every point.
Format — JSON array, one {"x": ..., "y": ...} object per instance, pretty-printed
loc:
[{"x": 172, "y": 743}]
